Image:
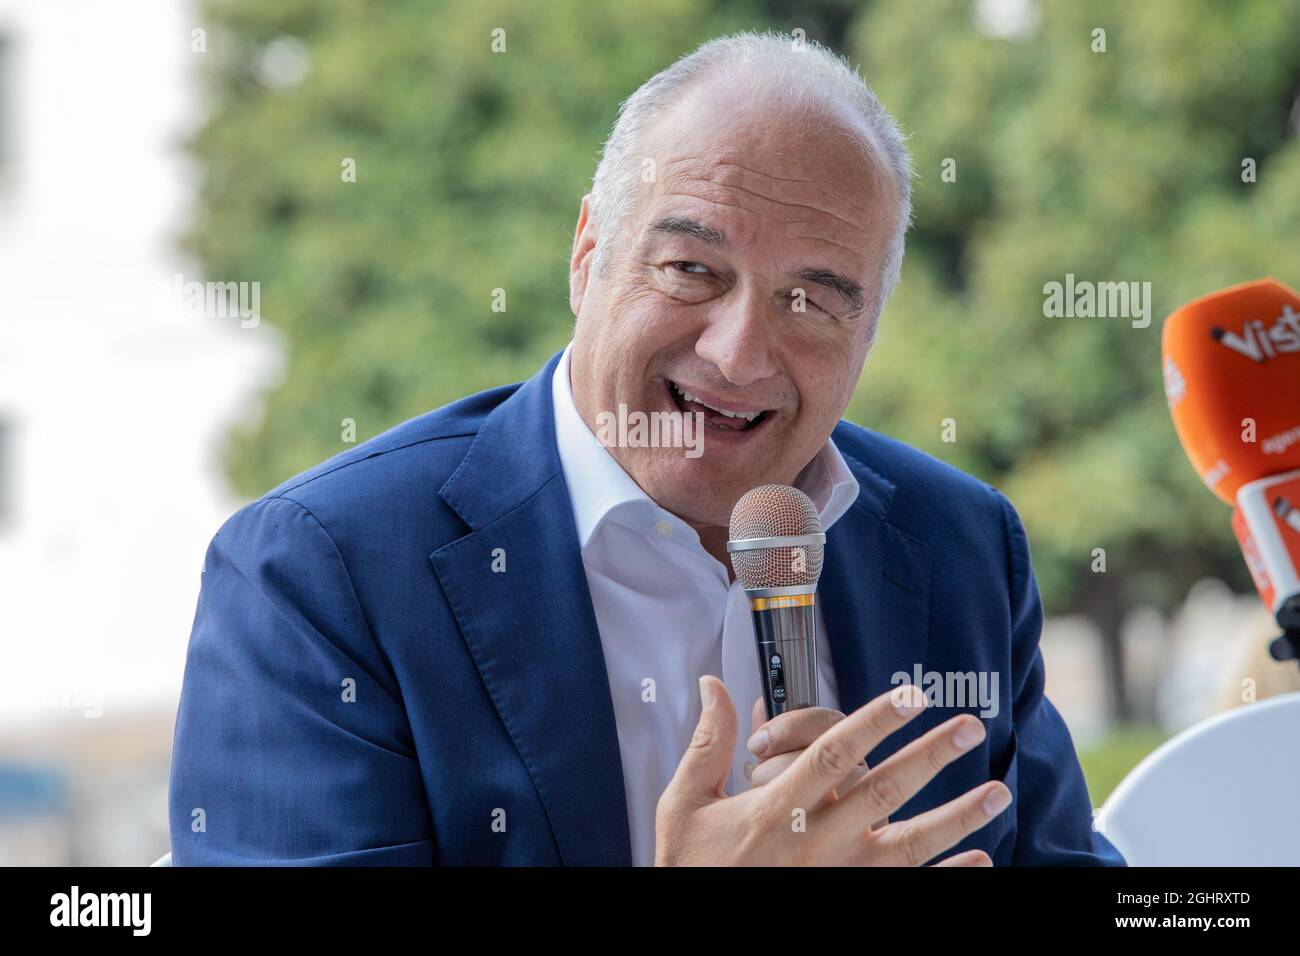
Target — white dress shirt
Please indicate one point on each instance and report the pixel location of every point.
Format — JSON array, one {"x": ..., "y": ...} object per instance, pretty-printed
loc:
[{"x": 667, "y": 611}]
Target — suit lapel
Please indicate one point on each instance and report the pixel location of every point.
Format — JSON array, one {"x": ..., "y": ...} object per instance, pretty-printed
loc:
[
  {"x": 531, "y": 628},
  {"x": 875, "y": 597}
]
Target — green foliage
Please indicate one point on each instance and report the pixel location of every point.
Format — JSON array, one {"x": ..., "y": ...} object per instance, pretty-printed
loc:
[
  {"x": 470, "y": 169},
  {"x": 1123, "y": 165}
]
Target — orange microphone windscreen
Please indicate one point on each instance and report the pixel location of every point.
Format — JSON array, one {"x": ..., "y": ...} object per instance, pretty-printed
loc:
[{"x": 1232, "y": 378}]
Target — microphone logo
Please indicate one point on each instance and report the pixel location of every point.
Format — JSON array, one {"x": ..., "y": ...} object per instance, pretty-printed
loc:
[{"x": 1259, "y": 342}]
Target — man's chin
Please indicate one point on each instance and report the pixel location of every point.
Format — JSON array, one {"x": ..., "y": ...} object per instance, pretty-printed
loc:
[{"x": 701, "y": 492}]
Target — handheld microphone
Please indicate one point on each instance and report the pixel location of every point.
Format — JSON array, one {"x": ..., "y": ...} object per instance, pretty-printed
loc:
[
  {"x": 776, "y": 545},
  {"x": 1232, "y": 379}
]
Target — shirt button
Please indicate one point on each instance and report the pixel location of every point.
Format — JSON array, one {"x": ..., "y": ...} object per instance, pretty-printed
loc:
[{"x": 663, "y": 529}]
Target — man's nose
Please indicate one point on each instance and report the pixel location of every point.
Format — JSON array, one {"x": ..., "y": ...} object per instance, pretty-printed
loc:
[{"x": 736, "y": 339}]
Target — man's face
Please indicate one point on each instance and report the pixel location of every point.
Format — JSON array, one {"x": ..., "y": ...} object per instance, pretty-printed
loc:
[{"x": 749, "y": 205}]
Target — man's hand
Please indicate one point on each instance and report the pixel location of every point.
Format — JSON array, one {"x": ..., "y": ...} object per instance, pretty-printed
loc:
[
  {"x": 777, "y": 743},
  {"x": 811, "y": 812}
]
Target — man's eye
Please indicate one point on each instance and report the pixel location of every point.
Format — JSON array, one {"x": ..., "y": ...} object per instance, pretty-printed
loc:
[
  {"x": 694, "y": 268},
  {"x": 808, "y": 304}
]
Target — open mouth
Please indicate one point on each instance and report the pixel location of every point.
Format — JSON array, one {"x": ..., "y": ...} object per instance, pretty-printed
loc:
[{"x": 724, "y": 419}]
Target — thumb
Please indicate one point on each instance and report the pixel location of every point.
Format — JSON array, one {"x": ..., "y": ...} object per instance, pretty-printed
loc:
[{"x": 702, "y": 773}]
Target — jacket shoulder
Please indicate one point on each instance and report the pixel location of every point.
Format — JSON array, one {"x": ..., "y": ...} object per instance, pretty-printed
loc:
[
  {"x": 438, "y": 439},
  {"x": 904, "y": 466},
  {"x": 923, "y": 494}
]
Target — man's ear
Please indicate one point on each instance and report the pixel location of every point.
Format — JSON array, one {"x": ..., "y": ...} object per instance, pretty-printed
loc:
[{"x": 584, "y": 245}]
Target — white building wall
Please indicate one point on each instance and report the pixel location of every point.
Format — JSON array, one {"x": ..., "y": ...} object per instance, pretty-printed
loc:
[{"x": 115, "y": 402}]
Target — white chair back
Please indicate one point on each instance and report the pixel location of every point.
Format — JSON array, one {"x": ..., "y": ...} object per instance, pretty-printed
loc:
[{"x": 1221, "y": 793}]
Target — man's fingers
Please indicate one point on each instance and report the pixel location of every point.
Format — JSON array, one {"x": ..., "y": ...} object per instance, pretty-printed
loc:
[
  {"x": 701, "y": 774},
  {"x": 793, "y": 730},
  {"x": 969, "y": 858},
  {"x": 892, "y": 783},
  {"x": 830, "y": 758},
  {"x": 768, "y": 770},
  {"x": 913, "y": 842},
  {"x": 757, "y": 715}
]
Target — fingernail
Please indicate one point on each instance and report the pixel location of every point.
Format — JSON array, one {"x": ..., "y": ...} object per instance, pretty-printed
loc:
[
  {"x": 908, "y": 700},
  {"x": 706, "y": 694},
  {"x": 997, "y": 801},
  {"x": 967, "y": 736},
  {"x": 758, "y": 743},
  {"x": 749, "y": 770}
]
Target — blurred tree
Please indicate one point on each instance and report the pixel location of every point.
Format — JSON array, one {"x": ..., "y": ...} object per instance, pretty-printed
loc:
[
  {"x": 1116, "y": 165},
  {"x": 470, "y": 164}
]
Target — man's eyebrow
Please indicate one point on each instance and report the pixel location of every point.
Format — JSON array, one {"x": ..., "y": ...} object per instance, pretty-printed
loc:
[
  {"x": 849, "y": 289},
  {"x": 683, "y": 225}
]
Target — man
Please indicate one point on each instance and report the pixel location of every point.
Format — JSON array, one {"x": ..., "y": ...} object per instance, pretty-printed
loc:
[{"x": 483, "y": 637}]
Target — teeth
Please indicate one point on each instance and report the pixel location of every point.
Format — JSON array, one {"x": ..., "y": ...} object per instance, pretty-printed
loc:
[{"x": 747, "y": 416}]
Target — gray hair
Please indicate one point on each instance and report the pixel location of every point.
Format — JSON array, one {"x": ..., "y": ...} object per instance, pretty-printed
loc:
[{"x": 802, "y": 68}]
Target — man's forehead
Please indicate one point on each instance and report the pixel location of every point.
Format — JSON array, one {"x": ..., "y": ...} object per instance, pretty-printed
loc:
[
  {"x": 822, "y": 146},
  {"x": 827, "y": 190},
  {"x": 789, "y": 173}
]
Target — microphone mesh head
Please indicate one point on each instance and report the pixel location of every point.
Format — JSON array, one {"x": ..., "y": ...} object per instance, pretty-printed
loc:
[{"x": 770, "y": 511}]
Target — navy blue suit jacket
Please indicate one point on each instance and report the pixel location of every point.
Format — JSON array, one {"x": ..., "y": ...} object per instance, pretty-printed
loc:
[{"x": 363, "y": 688}]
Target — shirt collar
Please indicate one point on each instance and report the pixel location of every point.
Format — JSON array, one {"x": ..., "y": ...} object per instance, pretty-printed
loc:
[{"x": 600, "y": 490}]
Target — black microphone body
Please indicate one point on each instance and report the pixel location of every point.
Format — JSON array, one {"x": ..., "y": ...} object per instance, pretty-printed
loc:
[{"x": 785, "y": 634}]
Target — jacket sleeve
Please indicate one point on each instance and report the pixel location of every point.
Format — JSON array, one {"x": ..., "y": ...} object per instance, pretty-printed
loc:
[
  {"x": 292, "y": 745},
  {"x": 1052, "y": 806}
]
